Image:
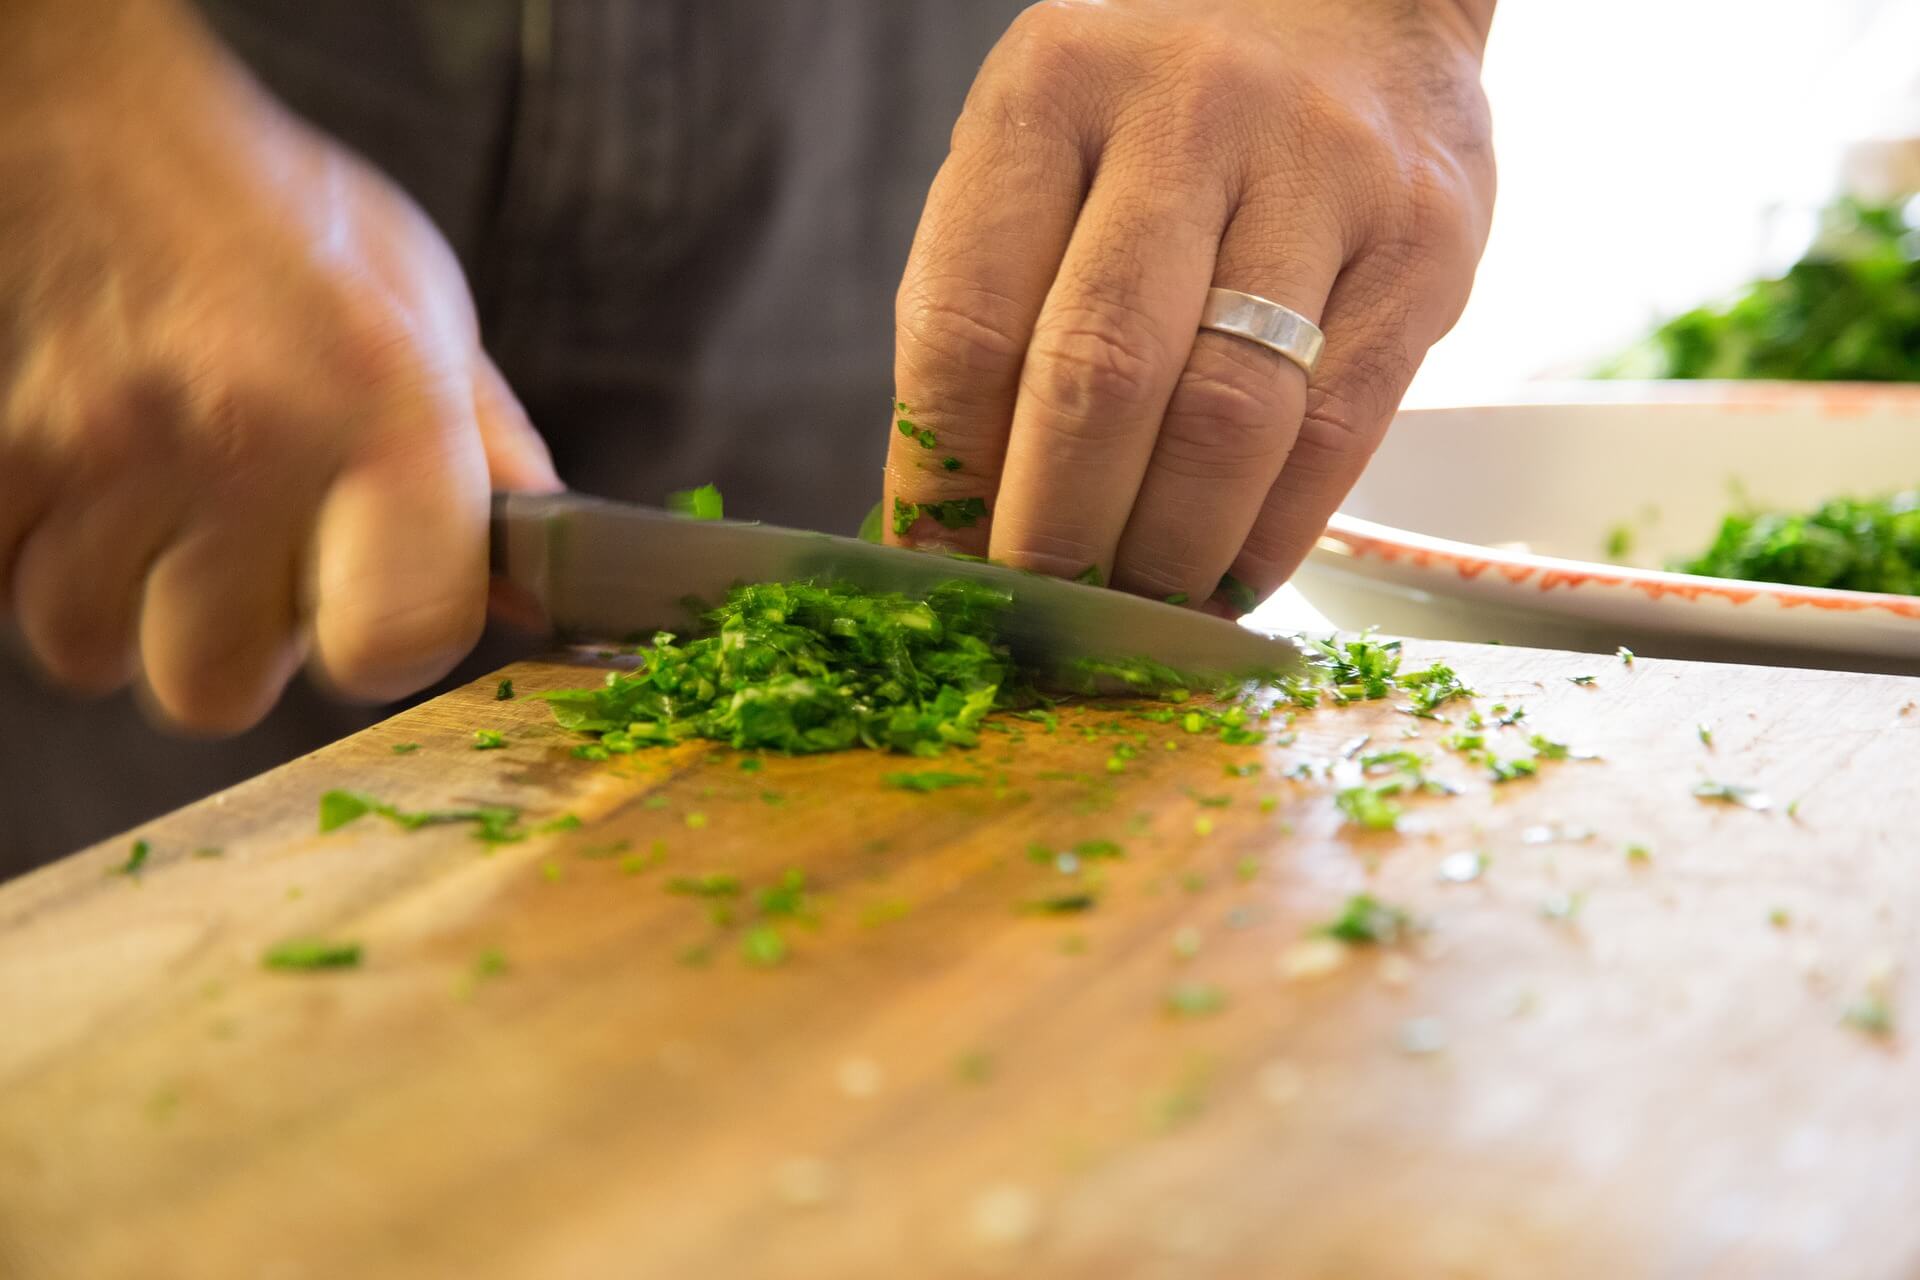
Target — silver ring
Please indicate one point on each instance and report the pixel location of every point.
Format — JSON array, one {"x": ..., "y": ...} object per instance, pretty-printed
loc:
[{"x": 1277, "y": 328}]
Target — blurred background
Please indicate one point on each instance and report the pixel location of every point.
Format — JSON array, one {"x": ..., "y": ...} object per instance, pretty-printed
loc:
[{"x": 1656, "y": 154}]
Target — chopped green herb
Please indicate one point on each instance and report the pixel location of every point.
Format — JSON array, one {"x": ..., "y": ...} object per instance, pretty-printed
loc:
[
  {"x": 1098, "y": 849},
  {"x": 711, "y": 884},
  {"x": 787, "y": 898},
  {"x": 1368, "y": 921},
  {"x": 1063, "y": 903},
  {"x": 920, "y": 435},
  {"x": 208, "y": 851},
  {"x": 974, "y": 1067},
  {"x": 405, "y": 748},
  {"x": 904, "y": 515},
  {"x": 312, "y": 954},
  {"x": 1238, "y": 595},
  {"x": 565, "y": 822},
  {"x": 695, "y": 821},
  {"x": 1779, "y": 918},
  {"x": 1625, "y": 655},
  {"x": 1091, "y": 576},
  {"x": 1843, "y": 313},
  {"x": 1582, "y": 680},
  {"x": 497, "y": 824},
  {"x": 931, "y": 780},
  {"x": 1619, "y": 542},
  {"x": 1195, "y": 1000},
  {"x": 801, "y": 667},
  {"x": 950, "y": 464},
  {"x": 1369, "y": 806},
  {"x": 703, "y": 503},
  {"x": 1639, "y": 853},
  {"x": 1547, "y": 749},
  {"x": 1871, "y": 1014},
  {"x": 490, "y": 963},
  {"x": 488, "y": 740},
  {"x": 1512, "y": 770},
  {"x": 1178, "y": 597},
  {"x": 764, "y": 945},
  {"x": 1705, "y": 733},
  {"x": 504, "y": 693},
  {"x": 1733, "y": 793},
  {"x": 1432, "y": 689},
  {"x": 136, "y": 859},
  {"x": 1563, "y": 906}
]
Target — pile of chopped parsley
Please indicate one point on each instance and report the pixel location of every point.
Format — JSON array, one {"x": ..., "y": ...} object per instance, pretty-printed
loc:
[
  {"x": 1849, "y": 310},
  {"x": 1850, "y": 543},
  {"x": 805, "y": 667}
]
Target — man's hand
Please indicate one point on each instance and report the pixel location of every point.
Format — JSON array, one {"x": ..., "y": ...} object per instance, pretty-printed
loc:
[
  {"x": 1113, "y": 161},
  {"x": 243, "y": 403}
]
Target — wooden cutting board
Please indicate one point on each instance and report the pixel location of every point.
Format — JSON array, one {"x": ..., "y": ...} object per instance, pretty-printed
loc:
[{"x": 1581, "y": 1064}]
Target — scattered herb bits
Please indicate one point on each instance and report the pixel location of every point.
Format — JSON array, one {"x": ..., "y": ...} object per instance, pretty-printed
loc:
[
  {"x": 703, "y": 503},
  {"x": 504, "y": 693},
  {"x": 312, "y": 954},
  {"x": 931, "y": 780},
  {"x": 1733, "y": 793},
  {"x": 136, "y": 859},
  {"x": 1365, "y": 920},
  {"x": 488, "y": 740},
  {"x": 1195, "y": 1000}
]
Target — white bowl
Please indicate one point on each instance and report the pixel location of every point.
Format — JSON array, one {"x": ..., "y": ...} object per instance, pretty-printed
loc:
[{"x": 1491, "y": 522}]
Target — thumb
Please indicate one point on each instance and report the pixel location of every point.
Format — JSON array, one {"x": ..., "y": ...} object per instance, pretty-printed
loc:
[{"x": 517, "y": 457}]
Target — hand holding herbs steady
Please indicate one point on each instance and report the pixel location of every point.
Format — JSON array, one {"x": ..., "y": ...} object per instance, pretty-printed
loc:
[
  {"x": 1112, "y": 162},
  {"x": 243, "y": 403}
]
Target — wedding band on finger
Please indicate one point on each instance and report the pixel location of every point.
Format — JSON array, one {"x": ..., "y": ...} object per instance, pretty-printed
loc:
[{"x": 1266, "y": 323}]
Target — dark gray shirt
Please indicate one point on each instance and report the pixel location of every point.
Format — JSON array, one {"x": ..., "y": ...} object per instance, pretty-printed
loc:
[{"x": 683, "y": 221}]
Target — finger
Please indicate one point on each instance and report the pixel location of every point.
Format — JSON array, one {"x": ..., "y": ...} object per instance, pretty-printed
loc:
[
  {"x": 399, "y": 577},
  {"x": 998, "y": 217},
  {"x": 219, "y": 626},
  {"x": 517, "y": 458},
  {"x": 1232, "y": 419},
  {"x": 1106, "y": 353},
  {"x": 78, "y": 581},
  {"x": 25, "y": 491},
  {"x": 1381, "y": 317}
]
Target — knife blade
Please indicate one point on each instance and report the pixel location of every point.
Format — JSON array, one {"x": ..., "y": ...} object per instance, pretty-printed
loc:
[{"x": 604, "y": 570}]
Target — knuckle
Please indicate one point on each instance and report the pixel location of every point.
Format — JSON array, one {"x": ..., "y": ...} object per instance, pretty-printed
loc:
[
  {"x": 1091, "y": 365},
  {"x": 221, "y": 687},
  {"x": 82, "y": 648},
  {"x": 1045, "y": 68},
  {"x": 1053, "y": 36},
  {"x": 390, "y": 651},
  {"x": 373, "y": 342},
  {"x": 959, "y": 327},
  {"x": 1228, "y": 416},
  {"x": 1045, "y": 546},
  {"x": 1355, "y": 406}
]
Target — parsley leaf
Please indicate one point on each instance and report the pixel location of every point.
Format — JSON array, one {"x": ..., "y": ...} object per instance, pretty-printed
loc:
[
  {"x": 931, "y": 780},
  {"x": 312, "y": 954},
  {"x": 1366, "y": 920},
  {"x": 703, "y": 503}
]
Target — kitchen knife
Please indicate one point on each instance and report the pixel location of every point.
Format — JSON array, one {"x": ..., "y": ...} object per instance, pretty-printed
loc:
[{"x": 606, "y": 570}]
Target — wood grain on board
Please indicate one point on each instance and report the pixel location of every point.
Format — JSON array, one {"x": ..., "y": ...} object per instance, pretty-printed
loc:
[{"x": 1580, "y": 1064}]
